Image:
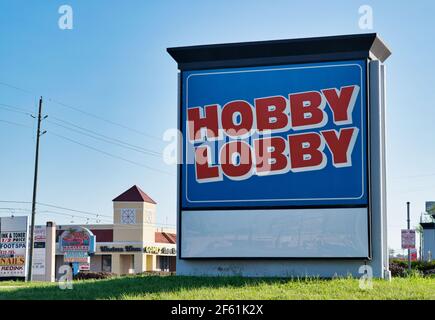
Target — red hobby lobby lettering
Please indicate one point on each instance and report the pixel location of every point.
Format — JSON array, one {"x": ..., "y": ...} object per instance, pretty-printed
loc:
[{"x": 300, "y": 119}]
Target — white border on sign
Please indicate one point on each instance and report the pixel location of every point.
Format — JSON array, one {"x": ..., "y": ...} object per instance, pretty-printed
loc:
[{"x": 281, "y": 69}]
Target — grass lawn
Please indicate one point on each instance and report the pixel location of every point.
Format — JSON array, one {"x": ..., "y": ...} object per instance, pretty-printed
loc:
[{"x": 181, "y": 287}]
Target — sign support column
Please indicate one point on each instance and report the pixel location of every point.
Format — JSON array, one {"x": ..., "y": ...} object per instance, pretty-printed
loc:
[{"x": 409, "y": 228}]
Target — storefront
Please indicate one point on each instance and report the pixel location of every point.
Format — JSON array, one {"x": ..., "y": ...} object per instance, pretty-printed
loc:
[{"x": 133, "y": 244}]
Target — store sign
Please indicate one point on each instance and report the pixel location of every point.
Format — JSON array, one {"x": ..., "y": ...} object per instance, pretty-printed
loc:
[
  {"x": 408, "y": 239},
  {"x": 38, "y": 261},
  {"x": 77, "y": 239},
  {"x": 13, "y": 246},
  {"x": 290, "y": 135},
  {"x": 160, "y": 250},
  {"x": 76, "y": 256},
  {"x": 147, "y": 249},
  {"x": 77, "y": 244},
  {"x": 85, "y": 267}
]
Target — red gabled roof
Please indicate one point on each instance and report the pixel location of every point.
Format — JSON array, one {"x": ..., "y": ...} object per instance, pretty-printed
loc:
[
  {"x": 164, "y": 237},
  {"x": 134, "y": 194}
]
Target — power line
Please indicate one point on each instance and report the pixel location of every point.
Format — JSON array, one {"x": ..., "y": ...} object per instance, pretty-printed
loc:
[
  {"x": 416, "y": 190},
  {"x": 14, "y": 109},
  {"x": 415, "y": 176},
  {"x": 14, "y": 209},
  {"x": 94, "y": 149},
  {"x": 17, "y": 88},
  {"x": 56, "y": 207},
  {"x": 93, "y": 134},
  {"x": 110, "y": 154},
  {"x": 15, "y": 123},
  {"x": 106, "y": 139},
  {"x": 87, "y": 113},
  {"x": 133, "y": 226},
  {"x": 13, "y": 201},
  {"x": 72, "y": 210},
  {"x": 50, "y": 213},
  {"x": 98, "y": 219}
]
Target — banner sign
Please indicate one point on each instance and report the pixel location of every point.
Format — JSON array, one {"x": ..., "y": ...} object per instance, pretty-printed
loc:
[
  {"x": 408, "y": 239},
  {"x": 13, "y": 246},
  {"x": 289, "y": 135}
]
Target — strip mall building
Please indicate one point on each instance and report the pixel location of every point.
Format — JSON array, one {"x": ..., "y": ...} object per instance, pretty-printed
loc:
[{"x": 133, "y": 243}]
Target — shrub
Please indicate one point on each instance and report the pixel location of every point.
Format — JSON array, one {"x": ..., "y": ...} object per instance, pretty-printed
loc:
[
  {"x": 85, "y": 275},
  {"x": 397, "y": 269},
  {"x": 429, "y": 273},
  {"x": 423, "y": 265}
]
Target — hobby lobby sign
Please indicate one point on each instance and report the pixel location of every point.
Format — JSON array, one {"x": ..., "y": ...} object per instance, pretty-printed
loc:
[
  {"x": 248, "y": 132},
  {"x": 277, "y": 135},
  {"x": 282, "y": 156}
]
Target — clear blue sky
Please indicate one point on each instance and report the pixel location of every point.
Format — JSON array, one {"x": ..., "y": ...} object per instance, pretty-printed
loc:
[{"x": 114, "y": 64}]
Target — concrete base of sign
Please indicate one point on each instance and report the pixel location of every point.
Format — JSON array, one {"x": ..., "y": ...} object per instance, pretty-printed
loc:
[
  {"x": 278, "y": 268},
  {"x": 387, "y": 275}
]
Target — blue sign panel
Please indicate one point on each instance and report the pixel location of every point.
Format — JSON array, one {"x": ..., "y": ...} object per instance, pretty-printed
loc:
[{"x": 279, "y": 136}]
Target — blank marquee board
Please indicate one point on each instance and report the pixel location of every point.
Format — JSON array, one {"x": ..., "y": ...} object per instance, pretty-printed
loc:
[{"x": 276, "y": 159}]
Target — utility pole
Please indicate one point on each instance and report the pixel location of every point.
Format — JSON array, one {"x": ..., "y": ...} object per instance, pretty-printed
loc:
[
  {"x": 35, "y": 185},
  {"x": 409, "y": 227},
  {"x": 420, "y": 235}
]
